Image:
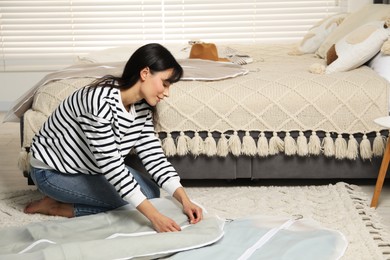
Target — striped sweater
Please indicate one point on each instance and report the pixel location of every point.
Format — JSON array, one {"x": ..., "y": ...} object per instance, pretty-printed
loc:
[{"x": 91, "y": 133}]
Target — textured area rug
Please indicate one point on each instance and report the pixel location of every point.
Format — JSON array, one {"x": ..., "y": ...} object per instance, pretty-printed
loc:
[{"x": 341, "y": 207}]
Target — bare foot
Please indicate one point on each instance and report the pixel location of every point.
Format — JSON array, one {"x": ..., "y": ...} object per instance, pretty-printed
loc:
[{"x": 51, "y": 207}]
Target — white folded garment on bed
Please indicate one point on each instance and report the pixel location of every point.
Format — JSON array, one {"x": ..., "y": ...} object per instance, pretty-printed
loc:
[
  {"x": 206, "y": 70},
  {"x": 194, "y": 69}
]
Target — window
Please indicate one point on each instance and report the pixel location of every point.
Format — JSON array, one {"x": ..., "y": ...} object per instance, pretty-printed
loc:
[{"x": 48, "y": 34}]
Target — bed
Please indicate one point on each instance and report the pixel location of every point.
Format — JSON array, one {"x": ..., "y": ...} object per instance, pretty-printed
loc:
[{"x": 285, "y": 114}]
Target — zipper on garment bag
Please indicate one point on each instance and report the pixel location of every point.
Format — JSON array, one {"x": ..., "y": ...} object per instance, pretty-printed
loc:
[{"x": 267, "y": 236}]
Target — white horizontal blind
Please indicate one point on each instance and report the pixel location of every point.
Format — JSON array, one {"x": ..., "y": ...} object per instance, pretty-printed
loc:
[{"x": 49, "y": 34}]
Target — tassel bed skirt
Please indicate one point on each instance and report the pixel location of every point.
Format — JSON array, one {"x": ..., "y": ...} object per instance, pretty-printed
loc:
[{"x": 263, "y": 144}]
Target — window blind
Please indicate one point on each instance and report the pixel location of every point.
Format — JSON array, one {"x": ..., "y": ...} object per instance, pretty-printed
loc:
[{"x": 48, "y": 34}]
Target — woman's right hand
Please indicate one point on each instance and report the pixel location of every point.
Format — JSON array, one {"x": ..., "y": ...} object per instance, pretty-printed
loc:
[{"x": 160, "y": 222}]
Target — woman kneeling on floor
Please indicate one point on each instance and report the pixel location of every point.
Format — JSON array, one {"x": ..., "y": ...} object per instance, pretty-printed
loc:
[{"x": 78, "y": 155}]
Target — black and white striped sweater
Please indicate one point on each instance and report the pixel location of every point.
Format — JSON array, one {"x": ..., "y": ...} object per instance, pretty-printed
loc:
[{"x": 91, "y": 132}]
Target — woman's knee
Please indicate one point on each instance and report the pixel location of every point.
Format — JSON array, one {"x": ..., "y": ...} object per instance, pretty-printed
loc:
[{"x": 151, "y": 191}]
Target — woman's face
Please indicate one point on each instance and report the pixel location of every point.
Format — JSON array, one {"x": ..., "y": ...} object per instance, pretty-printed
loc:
[{"x": 155, "y": 86}]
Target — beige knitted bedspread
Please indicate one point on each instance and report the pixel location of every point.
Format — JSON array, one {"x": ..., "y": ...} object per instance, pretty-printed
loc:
[{"x": 278, "y": 95}]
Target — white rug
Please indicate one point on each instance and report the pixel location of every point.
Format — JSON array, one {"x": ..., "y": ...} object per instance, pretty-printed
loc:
[{"x": 342, "y": 207}]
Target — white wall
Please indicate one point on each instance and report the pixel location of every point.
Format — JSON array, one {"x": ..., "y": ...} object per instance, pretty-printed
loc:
[
  {"x": 354, "y": 5},
  {"x": 14, "y": 84}
]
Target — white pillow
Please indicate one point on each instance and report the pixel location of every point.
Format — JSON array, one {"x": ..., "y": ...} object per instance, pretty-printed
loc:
[
  {"x": 115, "y": 54},
  {"x": 381, "y": 64},
  {"x": 123, "y": 53},
  {"x": 368, "y": 13},
  {"x": 358, "y": 47},
  {"x": 318, "y": 33}
]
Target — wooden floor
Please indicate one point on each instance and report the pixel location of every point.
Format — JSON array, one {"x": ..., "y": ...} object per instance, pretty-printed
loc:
[{"x": 11, "y": 177}]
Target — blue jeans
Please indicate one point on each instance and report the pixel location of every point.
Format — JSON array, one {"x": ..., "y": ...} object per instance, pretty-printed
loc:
[{"x": 89, "y": 194}]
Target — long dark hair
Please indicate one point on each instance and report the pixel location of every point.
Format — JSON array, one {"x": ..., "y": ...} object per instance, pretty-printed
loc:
[{"x": 154, "y": 56}]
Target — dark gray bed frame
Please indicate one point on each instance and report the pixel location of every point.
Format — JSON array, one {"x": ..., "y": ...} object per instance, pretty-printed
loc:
[{"x": 272, "y": 167}]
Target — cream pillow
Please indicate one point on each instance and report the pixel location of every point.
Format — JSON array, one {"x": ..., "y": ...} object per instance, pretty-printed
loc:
[
  {"x": 369, "y": 13},
  {"x": 381, "y": 64},
  {"x": 317, "y": 34},
  {"x": 115, "y": 54},
  {"x": 123, "y": 53},
  {"x": 358, "y": 47}
]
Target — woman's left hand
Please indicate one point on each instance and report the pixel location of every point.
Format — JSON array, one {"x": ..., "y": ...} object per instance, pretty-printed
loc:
[{"x": 193, "y": 211}]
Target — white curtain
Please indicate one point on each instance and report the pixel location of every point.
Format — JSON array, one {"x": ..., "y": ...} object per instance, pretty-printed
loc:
[{"x": 48, "y": 34}]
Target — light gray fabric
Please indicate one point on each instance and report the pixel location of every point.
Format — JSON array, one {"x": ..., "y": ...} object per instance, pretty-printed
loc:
[
  {"x": 194, "y": 69},
  {"x": 101, "y": 236},
  {"x": 197, "y": 69},
  {"x": 126, "y": 234},
  {"x": 301, "y": 240}
]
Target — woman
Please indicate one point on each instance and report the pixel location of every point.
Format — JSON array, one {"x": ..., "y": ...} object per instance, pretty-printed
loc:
[{"x": 78, "y": 155}]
